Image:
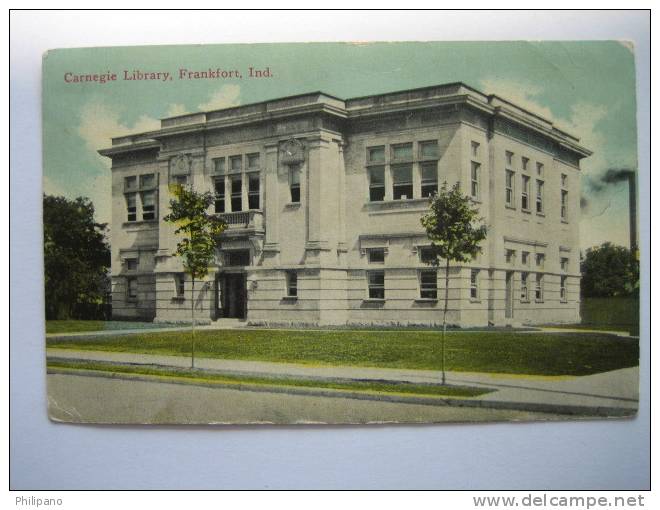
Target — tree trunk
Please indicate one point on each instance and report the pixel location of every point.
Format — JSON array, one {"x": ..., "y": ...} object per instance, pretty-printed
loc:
[
  {"x": 192, "y": 315},
  {"x": 444, "y": 320}
]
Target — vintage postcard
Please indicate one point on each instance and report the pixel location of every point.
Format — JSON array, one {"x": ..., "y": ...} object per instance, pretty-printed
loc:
[{"x": 341, "y": 233}]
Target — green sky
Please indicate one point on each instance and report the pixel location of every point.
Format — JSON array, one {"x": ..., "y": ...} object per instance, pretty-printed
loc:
[{"x": 586, "y": 87}]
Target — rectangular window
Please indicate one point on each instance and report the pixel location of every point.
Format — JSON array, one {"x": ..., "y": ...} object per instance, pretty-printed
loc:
[
  {"x": 219, "y": 166},
  {"x": 525, "y": 163},
  {"x": 131, "y": 264},
  {"x": 402, "y": 152},
  {"x": 426, "y": 255},
  {"x": 539, "y": 197},
  {"x": 540, "y": 260},
  {"x": 148, "y": 205},
  {"x": 147, "y": 181},
  {"x": 237, "y": 257},
  {"x": 236, "y": 163},
  {"x": 524, "y": 196},
  {"x": 402, "y": 186},
  {"x": 524, "y": 292},
  {"x": 509, "y": 158},
  {"x": 428, "y": 150},
  {"x": 429, "y": 179},
  {"x": 564, "y": 180},
  {"x": 474, "y": 284},
  {"x": 376, "y": 155},
  {"x": 524, "y": 258},
  {"x": 509, "y": 188},
  {"x": 564, "y": 205},
  {"x": 131, "y": 288},
  {"x": 562, "y": 290},
  {"x": 539, "y": 169},
  {"x": 510, "y": 256},
  {"x": 376, "y": 283},
  {"x": 294, "y": 183},
  {"x": 179, "y": 282},
  {"x": 376, "y": 255},
  {"x": 253, "y": 190},
  {"x": 538, "y": 294},
  {"x": 130, "y": 183},
  {"x": 564, "y": 264},
  {"x": 180, "y": 180},
  {"x": 220, "y": 195},
  {"x": 292, "y": 284},
  {"x": 428, "y": 284},
  {"x": 376, "y": 183},
  {"x": 236, "y": 193},
  {"x": 475, "y": 149},
  {"x": 131, "y": 206},
  {"x": 474, "y": 179},
  {"x": 253, "y": 161}
]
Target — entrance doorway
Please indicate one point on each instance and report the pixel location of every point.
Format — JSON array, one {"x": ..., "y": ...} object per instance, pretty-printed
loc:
[
  {"x": 232, "y": 298},
  {"x": 508, "y": 301}
]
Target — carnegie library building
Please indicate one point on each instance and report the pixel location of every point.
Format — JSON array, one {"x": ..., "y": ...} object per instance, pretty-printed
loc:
[{"x": 323, "y": 197}]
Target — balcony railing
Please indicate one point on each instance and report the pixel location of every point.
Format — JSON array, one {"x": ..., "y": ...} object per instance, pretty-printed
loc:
[{"x": 243, "y": 219}]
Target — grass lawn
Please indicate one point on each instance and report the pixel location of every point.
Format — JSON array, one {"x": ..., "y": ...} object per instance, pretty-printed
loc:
[
  {"x": 77, "y": 326},
  {"x": 196, "y": 376},
  {"x": 504, "y": 352}
]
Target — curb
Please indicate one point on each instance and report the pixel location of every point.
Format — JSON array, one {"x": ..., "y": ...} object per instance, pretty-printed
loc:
[{"x": 578, "y": 411}]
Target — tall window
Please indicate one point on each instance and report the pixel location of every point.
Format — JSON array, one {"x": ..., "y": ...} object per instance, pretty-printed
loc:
[
  {"x": 564, "y": 180},
  {"x": 294, "y": 183},
  {"x": 376, "y": 183},
  {"x": 253, "y": 190},
  {"x": 220, "y": 194},
  {"x": 179, "y": 283},
  {"x": 475, "y": 170},
  {"x": 292, "y": 284},
  {"x": 539, "y": 169},
  {"x": 564, "y": 205},
  {"x": 131, "y": 288},
  {"x": 428, "y": 284},
  {"x": 236, "y": 193},
  {"x": 148, "y": 205},
  {"x": 539, "y": 196},
  {"x": 564, "y": 264},
  {"x": 524, "y": 196},
  {"x": 524, "y": 292},
  {"x": 540, "y": 260},
  {"x": 538, "y": 293},
  {"x": 402, "y": 182},
  {"x": 474, "y": 146},
  {"x": 510, "y": 256},
  {"x": 131, "y": 206},
  {"x": 429, "y": 178},
  {"x": 509, "y": 188},
  {"x": 509, "y": 158},
  {"x": 524, "y": 258},
  {"x": 474, "y": 284},
  {"x": 376, "y": 284},
  {"x": 525, "y": 163},
  {"x": 562, "y": 290}
]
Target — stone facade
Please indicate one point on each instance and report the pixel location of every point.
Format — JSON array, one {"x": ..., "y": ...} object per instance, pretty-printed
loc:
[{"x": 323, "y": 198}]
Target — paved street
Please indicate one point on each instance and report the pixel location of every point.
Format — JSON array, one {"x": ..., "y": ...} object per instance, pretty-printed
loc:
[{"x": 96, "y": 399}]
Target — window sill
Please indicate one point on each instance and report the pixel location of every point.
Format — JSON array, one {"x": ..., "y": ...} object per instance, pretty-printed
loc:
[
  {"x": 178, "y": 299},
  {"x": 290, "y": 298},
  {"x": 139, "y": 223},
  {"x": 292, "y": 205},
  {"x": 472, "y": 300},
  {"x": 426, "y": 300},
  {"x": 524, "y": 301},
  {"x": 373, "y": 300},
  {"x": 526, "y": 211},
  {"x": 512, "y": 207},
  {"x": 539, "y": 301}
]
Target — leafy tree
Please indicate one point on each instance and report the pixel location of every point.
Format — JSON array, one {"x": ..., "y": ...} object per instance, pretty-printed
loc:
[
  {"x": 201, "y": 230},
  {"x": 76, "y": 255},
  {"x": 454, "y": 227},
  {"x": 608, "y": 271}
]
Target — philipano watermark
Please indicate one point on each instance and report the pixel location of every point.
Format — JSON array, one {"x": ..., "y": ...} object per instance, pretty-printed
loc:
[
  {"x": 33, "y": 501},
  {"x": 558, "y": 501}
]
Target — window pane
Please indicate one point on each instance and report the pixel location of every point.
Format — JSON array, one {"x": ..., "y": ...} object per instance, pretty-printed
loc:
[
  {"x": 253, "y": 160},
  {"x": 376, "y": 255},
  {"x": 236, "y": 163},
  {"x": 377, "y": 175},
  {"x": 236, "y": 184},
  {"x": 376, "y": 280},
  {"x": 292, "y": 284},
  {"x": 402, "y": 152},
  {"x": 130, "y": 183},
  {"x": 149, "y": 205},
  {"x": 148, "y": 181},
  {"x": 219, "y": 165},
  {"x": 429, "y": 150},
  {"x": 402, "y": 180},
  {"x": 376, "y": 154}
]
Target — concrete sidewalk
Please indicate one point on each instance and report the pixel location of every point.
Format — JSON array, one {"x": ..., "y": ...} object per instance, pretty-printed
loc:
[{"x": 615, "y": 392}]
